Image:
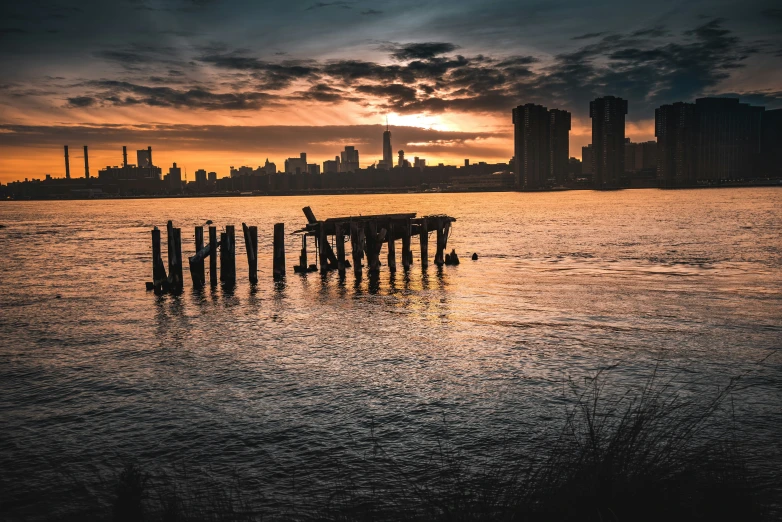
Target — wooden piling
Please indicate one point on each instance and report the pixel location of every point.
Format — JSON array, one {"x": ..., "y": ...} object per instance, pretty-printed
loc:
[
  {"x": 438, "y": 256},
  {"x": 231, "y": 254},
  {"x": 223, "y": 256},
  {"x": 213, "y": 256},
  {"x": 158, "y": 269},
  {"x": 170, "y": 245},
  {"x": 340, "y": 239},
  {"x": 323, "y": 244},
  {"x": 175, "y": 273},
  {"x": 279, "y": 250},
  {"x": 372, "y": 248},
  {"x": 391, "y": 248},
  {"x": 251, "y": 247},
  {"x": 197, "y": 261},
  {"x": 424, "y": 242},
  {"x": 407, "y": 254},
  {"x": 356, "y": 247}
]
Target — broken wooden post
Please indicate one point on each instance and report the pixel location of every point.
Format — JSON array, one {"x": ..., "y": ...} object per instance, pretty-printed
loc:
[
  {"x": 213, "y": 256},
  {"x": 302, "y": 267},
  {"x": 170, "y": 245},
  {"x": 372, "y": 248},
  {"x": 251, "y": 247},
  {"x": 196, "y": 262},
  {"x": 438, "y": 256},
  {"x": 223, "y": 255},
  {"x": 175, "y": 274},
  {"x": 391, "y": 248},
  {"x": 407, "y": 254},
  {"x": 279, "y": 250},
  {"x": 356, "y": 247},
  {"x": 323, "y": 244},
  {"x": 423, "y": 239},
  {"x": 340, "y": 239},
  {"x": 158, "y": 269}
]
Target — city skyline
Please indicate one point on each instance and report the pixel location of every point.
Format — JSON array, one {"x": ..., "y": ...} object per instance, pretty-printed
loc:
[{"x": 153, "y": 73}]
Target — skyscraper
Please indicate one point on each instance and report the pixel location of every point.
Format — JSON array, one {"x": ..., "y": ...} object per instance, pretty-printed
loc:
[
  {"x": 608, "y": 140},
  {"x": 728, "y": 139},
  {"x": 675, "y": 126},
  {"x": 349, "y": 161},
  {"x": 559, "y": 145},
  {"x": 388, "y": 154},
  {"x": 531, "y": 145},
  {"x": 771, "y": 143},
  {"x": 587, "y": 160}
]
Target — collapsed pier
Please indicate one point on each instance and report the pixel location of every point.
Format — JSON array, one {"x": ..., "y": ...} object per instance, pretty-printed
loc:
[{"x": 364, "y": 235}]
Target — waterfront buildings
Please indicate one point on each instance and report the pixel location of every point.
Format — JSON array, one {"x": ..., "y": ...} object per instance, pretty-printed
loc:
[{"x": 541, "y": 146}]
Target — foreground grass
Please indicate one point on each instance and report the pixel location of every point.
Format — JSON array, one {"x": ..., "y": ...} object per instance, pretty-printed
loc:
[{"x": 647, "y": 455}]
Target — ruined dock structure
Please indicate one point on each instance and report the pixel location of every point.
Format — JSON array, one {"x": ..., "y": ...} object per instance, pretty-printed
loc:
[{"x": 366, "y": 236}]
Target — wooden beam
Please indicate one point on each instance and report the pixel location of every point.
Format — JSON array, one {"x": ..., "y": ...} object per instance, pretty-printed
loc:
[
  {"x": 213, "y": 256},
  {"x": 175, "y": 273},
  {"x": 438, "y": 256},
  {"x": 357, "y": 247},
  {"x": 159, "y": 279},
  {"x": 391, "y": 248},
  {"x": 407, "y": 254},
  {"x": 323, "y": 244},
  {"x": 279, "y": 251},
  {"x": 339, "y": 237},
  {"x": 196, "y": 262},
  {"x": 251, "y": 248},
  {"x": 423, "y": 238}
]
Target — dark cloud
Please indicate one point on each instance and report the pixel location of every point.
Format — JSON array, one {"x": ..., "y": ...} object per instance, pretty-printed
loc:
[
  {"x": 397, "y": 93},
  {"x": 323, "y": 93},
  {"x": 587, "y": 36},
  {"x": 271, "y": 75},
  {"x": 81, "y": 101},
  {"x": 125, "y": 93},
  {"x": 370, "y": 12},
  {"x": 290, "y": 139},
  {"x": 422, "y": 51},
  {"x": 772, "y": 13},
  {"x": 320, "y": 5}
]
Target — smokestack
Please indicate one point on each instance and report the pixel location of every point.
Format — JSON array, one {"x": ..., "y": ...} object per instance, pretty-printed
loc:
[
  {"x": 149, "y": 149},
  {"x": 124, "y": 156},
  {"x": 67, "y": 164},
  {"x": 86, "y": 163}
]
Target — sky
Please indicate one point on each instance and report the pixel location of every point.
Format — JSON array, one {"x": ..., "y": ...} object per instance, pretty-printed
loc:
[{"x": 217, "y": 83}]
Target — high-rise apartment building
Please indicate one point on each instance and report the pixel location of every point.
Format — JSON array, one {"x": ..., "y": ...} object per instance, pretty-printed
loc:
[
  {"x": 608, "y": 140},
  {"x": 532, "y": 124},
  {"x": 559, "y": 145},
  {"x": 675, "y": 127}
]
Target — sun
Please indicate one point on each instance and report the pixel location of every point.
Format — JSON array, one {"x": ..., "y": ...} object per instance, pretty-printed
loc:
[{"x": 425, "y": 121}]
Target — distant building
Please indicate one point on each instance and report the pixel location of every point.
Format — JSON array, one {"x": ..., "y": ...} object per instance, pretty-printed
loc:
[
  {"x": 388, "y": 154},
  {"x": 771, "y": 143},
  {"x": 419, "y": 163},
  {"x": 559, "y": 145},
  {"x": 574, "y": 169},
  {"x": 587, "y": 160},
  {"x": 710, "y": 141},
  {"x": 212, "y": 177},
  {"x": 200, "y": 178},
  {"x": 532, "y": 124},
  {"x": 401, "y": 161},
  {"x": 330, "y": 166},
  {"x": 608, "y": 140},
  {"x": 313, "y": 169},
  {"x": 144, "y": 158},
  {"x": 174, "y": 178},
  {"x": 675, "y": 127},
  {"x": 728, "y": 139},
  {"x": 269, "y": 167},
  {"x": 349, "y": 158},
  {"x": 296, "y": 165}
]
